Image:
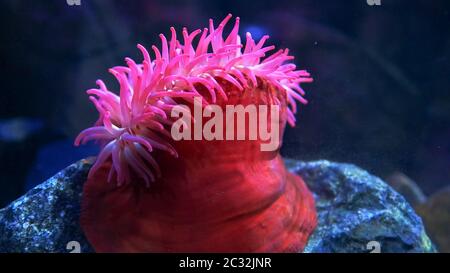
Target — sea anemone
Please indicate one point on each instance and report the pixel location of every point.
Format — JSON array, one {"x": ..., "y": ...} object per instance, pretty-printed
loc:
[
  {"x": 220, "y": 195},
  {"x": 131, "y": 125}
]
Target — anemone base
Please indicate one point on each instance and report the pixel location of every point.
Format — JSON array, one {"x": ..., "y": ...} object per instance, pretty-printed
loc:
[{"x": 232, "y": 211}]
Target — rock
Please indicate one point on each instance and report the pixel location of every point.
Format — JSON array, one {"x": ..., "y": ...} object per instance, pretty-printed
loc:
[
  {"x": 46, "y": 218},
  {"x": 436, "y": 215},
  {"x": 354, "y": 208}
]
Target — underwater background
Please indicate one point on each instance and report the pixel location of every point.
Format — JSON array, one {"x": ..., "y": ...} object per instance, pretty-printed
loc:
[{"x": 380, "y": 99}]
